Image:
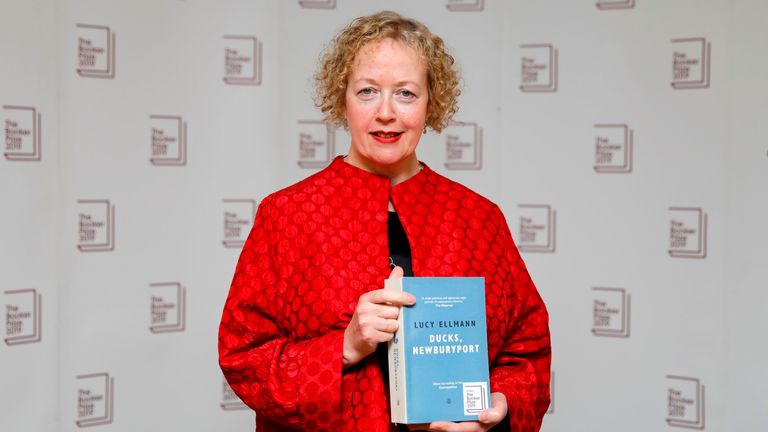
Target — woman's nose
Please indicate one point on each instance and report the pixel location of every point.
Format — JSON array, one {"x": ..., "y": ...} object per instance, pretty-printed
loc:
[{"x": 386, "y": 113}]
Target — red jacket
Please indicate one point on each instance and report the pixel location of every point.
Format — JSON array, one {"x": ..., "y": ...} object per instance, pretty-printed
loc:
[{"x": 316, "y": 246}]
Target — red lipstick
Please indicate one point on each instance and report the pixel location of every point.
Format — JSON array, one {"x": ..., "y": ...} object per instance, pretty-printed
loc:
[{"x": 386, "y": 137}]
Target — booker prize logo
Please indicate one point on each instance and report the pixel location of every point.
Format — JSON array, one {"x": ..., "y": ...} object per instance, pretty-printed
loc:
[
  {"x": 96, "y": 226},
  {"x": 317, "y": 140},
  {"x": 537, "y": 228},
  {"x": 242, "y": 60},
  {"x": 238, "y": 218},
  {"x": 465, "y": 5},
  {"x": 610, "y": 312},
  {"x": 95, "y": 399},
  {"x": 318, "y": 4},
  {"x": 615, "y": 4},
  {"x": 95, "y": 51},
  {"x": 167, "y": 307},
  {"x": 687, "y": 232},
  {"x": 538, "y": 68},
  {"x": 229, "y": 400},
  {"x": 22, "y": 133},
  {"x": 464, "y": 146},
  {"x": 23, "y": 316},
  {"x": 613, "y": 148},
  {"x": 168, "y": 140},
  {"x": 685, "y": 402},
  {"x": 691, "y": 63}
]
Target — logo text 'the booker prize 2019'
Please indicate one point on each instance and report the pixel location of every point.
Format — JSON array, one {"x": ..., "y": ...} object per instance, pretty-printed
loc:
[
  {"x": 22, "y": 133},
  {"x": 317, "y": 140},
  {"x": 242, "y": 60},
  {"x": 691, "y": 63},
  {"x": 463, "y": 146},
  {"x": 238, "y": 219},
  {"x": 168, "y": 140},
  {"x": 23, "y": 316},
  {"x": 610, "y": 312},
  {"x": 687, "y": 232},
  {"x": 538, "y": 67},
  {"x": 95, "y": 51},
  {"x": 229, "y": 400},
  {"x": 465, "y": 5},
  {"x": 96, "y": 226},
  {"x": 613, "y": 148},
  {"x": 95, "y": 399},
  {"x": 318, "y": 4},
  {"x": 537, "y": 228},
  {"x": 686, "y": 407},
  {"x": 615, "y": 4},
  {"x": 167, "y": 307}
]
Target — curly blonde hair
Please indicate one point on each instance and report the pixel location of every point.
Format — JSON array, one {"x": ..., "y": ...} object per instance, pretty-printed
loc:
[{"x": 336, "y": 65}]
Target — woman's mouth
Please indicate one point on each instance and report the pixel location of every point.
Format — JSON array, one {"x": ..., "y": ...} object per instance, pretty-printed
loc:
[{"x": 386, "y": 137}]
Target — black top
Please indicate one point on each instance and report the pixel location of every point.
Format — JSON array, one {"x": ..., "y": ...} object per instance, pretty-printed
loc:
[
  {"x": 399, "y": 248},
  {"x": 399, "y": 255}
]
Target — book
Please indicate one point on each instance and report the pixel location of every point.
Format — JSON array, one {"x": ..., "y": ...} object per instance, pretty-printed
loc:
[{"x": 438, "y": 358}]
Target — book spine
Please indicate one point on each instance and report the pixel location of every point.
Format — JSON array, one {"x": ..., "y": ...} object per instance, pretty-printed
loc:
[{"x": 396, "y": 360}]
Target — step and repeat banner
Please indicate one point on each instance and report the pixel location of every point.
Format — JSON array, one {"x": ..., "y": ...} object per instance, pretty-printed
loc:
[{"x": 623, "y": 139}]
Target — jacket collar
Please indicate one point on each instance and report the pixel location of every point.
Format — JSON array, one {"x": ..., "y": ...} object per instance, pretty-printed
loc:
[{"x": 349, "y": 170}]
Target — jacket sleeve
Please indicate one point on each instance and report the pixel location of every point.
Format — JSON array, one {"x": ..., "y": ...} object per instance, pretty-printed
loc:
[
  {"x": 296, "y": 383},
  {"x": 521, "y": 368}
]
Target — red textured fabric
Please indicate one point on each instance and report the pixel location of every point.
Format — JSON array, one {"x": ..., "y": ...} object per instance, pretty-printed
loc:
[{"x": 316, "y": 246}]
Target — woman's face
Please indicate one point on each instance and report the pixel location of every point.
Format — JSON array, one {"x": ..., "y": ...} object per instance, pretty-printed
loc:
[{"x": 386, "y": 107}]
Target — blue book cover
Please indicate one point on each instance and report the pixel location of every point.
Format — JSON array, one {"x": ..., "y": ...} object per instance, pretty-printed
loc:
[{"x": 438, "y": 358}]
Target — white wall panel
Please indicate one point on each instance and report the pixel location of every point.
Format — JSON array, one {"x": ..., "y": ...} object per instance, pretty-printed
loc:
[{"x": 170, "y": 120}]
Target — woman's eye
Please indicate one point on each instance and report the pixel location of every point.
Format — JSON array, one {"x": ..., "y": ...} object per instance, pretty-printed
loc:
[
  {"x": 407, "y": 93},
  {"x": 366, "y": 91}
]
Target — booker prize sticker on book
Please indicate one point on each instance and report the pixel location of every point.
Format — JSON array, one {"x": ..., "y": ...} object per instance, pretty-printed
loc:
[{"x": 438, "y": 359}]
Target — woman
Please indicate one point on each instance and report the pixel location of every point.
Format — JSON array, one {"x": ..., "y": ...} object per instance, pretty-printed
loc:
[{"x": 306, "y": 310}]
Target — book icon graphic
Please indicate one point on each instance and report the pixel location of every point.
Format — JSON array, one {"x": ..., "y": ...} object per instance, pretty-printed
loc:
[
  {"x": 613, "y": 148},
  {"x": 537, "y": 229},
  {"x": 169, "y": 140},
  {"x": 96, "y": 51},
  {"x": 685, "y": 402},
  {"x": 23, "y": 316},
  {"x": 438, "y": 359},
  {"x": 318, "y": 4},
  {"x": 238, "y": 218},
  {"x": 95, "y": 399},
  {"x": 463, "y": 146},
  {"x": 229, "y": 400},
  {"x": 168, "y": 307},
  {"x": 465, "y": 5},
  {"x": 615, "y": 4},
  {"x": 242, "y": 60},
  {"x": 538, "y": 68},
  {"x": 317, "y": 140},
  {"x": 96, "y": 226},
  {"x": 611, "y": 312},
  {"x": 22, "y": 133},
  {"x": 691, "y": 63},
  {"x": 687, "y": 232}
]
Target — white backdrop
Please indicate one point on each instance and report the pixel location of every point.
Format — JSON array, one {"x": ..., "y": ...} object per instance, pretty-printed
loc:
[{"x": 625, "y": 141}]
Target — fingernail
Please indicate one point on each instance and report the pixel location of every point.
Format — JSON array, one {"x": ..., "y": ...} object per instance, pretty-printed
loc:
[{"x": 483, "y": 417}]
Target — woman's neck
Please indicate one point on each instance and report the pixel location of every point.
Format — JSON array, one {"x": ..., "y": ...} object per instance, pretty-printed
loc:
[{"x": 396, "y": 173}]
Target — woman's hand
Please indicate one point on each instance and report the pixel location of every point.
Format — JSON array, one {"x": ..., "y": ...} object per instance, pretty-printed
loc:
[
  {"x": 374, "y": 321},
  {"x": 488, "y": 419}
]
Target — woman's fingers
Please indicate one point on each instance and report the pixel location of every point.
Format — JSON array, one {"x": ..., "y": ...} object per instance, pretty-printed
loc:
[
  {"x": 497, "y": 411},
  {"x": 384, "y": 296},
  {"x": 396, "y": 272},
  {"x": 457, "y": 427}
]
